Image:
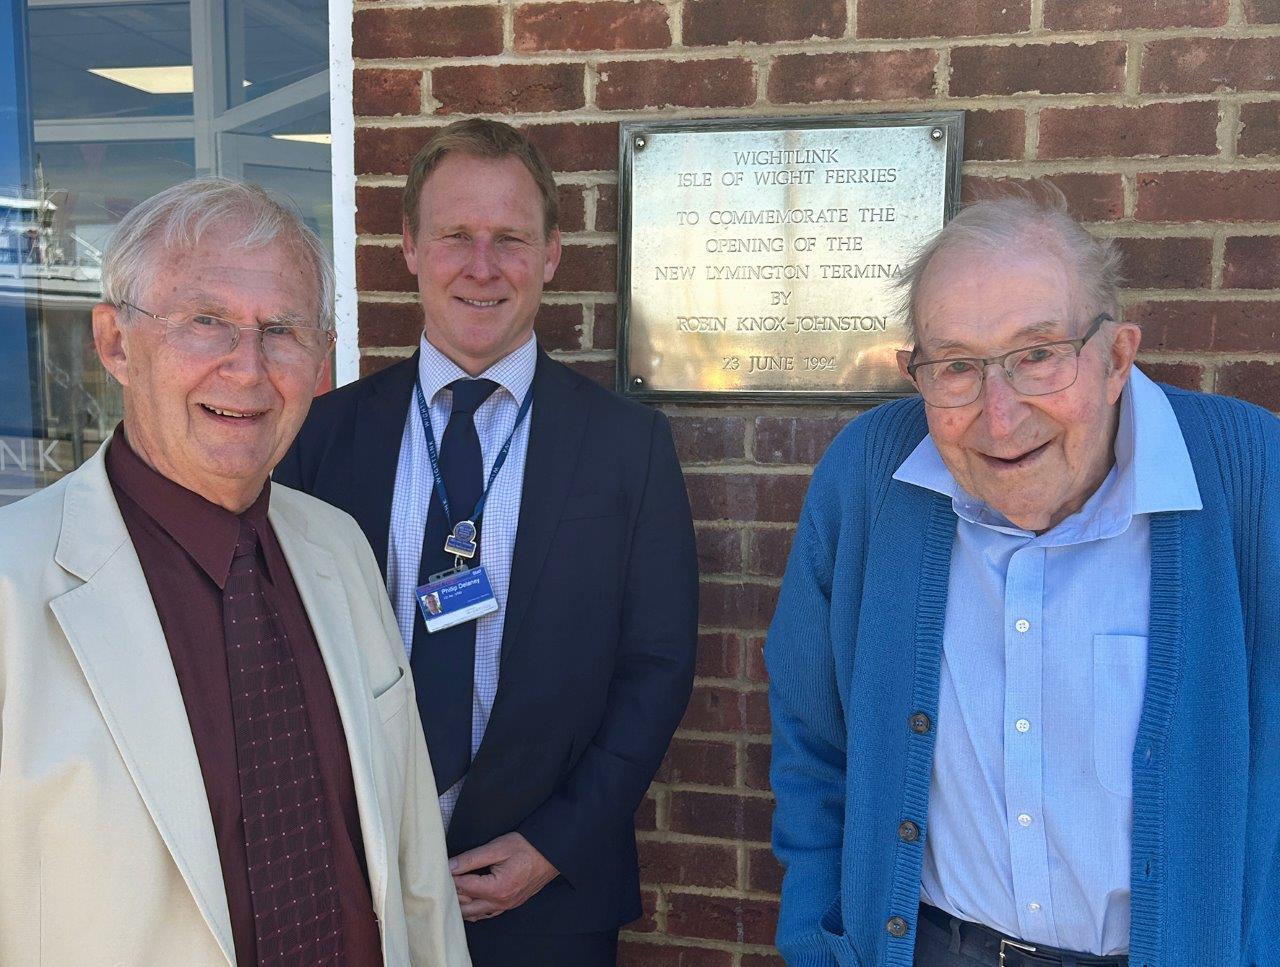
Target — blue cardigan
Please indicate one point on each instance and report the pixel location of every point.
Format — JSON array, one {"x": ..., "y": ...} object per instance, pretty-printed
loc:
[{"x": 853, "y": 656}]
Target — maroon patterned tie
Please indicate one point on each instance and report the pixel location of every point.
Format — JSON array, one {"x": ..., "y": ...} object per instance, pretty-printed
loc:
[{"x": 286, "y": 837}]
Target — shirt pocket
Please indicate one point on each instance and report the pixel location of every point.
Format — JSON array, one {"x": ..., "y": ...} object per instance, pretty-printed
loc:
[{"x": 1119, "y": 684}]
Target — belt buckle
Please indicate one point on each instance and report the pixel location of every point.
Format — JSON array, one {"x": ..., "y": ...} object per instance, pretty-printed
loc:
[{"x": 1006, "y": 945}]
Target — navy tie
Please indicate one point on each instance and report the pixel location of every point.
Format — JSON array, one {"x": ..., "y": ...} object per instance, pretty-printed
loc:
[{"x": 443, "y": 663}]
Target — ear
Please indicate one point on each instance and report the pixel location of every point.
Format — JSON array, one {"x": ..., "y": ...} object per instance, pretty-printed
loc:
[
  {"x": 553, "y": 256},
  {"x": 1124, "y": 349},
  {"x": 409, "y": 245},
  {"x": 110, "y": 339},
  {"x": 322, "y": 376},
  {"x": 904, "y": 360}
]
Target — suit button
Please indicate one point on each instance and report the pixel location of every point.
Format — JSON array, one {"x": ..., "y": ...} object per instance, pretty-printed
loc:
[
  {"x": 908, "y": 831},
  {"x": 919, "y": 723},
  {"x": 897, "y": 927}
]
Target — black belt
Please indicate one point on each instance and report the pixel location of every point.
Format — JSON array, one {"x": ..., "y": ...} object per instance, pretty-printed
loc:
[{"x": 1005, "y": 951}]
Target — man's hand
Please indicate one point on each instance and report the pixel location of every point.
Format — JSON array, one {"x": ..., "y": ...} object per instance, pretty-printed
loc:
[{"x": 516, "y": 872}]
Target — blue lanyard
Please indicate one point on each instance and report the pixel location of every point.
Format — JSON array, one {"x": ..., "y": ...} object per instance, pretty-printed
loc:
[{"x": 435, "y": 457}]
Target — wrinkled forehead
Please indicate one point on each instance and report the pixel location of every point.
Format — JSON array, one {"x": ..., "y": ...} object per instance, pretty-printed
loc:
[{"x": 979, "y": 300}]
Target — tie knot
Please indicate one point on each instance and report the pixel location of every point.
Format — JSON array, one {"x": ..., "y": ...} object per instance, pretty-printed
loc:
[
  {"x": 468, "y": 394},
  {"x": 247, "y": 542}
]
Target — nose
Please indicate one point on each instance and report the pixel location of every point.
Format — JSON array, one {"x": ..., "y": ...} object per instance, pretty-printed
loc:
[
  {"x": 247, "y": 362},
  {"x": 483, "y": 263},
  {"x": 1002, "y": 405}
]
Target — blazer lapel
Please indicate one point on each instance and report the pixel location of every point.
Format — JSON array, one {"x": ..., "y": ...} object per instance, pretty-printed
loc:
[
  {"x": 111, "y": 625},
  {"x": 375, "y": 451},
  {"x": 315, "y": 574}
]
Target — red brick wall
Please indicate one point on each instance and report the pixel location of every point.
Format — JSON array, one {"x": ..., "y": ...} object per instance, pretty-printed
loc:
[{"x": 1160, "y": 119}]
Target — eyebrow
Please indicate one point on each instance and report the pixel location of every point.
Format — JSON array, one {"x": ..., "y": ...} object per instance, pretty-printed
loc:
[
  {"x": 200, "y": 302},
  {"x": 1048, "y": 327}
]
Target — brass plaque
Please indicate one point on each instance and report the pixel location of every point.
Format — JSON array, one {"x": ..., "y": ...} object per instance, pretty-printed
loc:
[{"x": 758, "y": 259}]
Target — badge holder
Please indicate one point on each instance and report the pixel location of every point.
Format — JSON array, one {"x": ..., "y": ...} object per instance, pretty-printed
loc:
[{"x": 460, "y": 593}]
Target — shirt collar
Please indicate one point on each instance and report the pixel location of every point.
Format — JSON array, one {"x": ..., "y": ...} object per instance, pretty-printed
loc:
[
  {"x": 1152, "y": 473},
  {"x": 513, "y": 372},
  {"x": 207, "y": 532}
]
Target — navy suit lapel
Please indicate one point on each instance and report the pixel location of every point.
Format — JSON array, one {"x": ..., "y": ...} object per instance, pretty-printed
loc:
[{"x": 375, "y": 451}]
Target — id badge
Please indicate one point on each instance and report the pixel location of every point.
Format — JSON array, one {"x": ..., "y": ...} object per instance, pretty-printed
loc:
[{"x": 456, "y": 596}]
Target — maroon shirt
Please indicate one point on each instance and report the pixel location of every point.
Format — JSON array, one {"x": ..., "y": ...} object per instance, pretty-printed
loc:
[{"x": 185, "y": 545}]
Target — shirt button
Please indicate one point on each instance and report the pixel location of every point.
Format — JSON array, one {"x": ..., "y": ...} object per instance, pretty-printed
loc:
[
  {"x": 1022, "y": 725},
  {"x": 919, "y": 723},
  {"x": 1033, "y": 907},
  {"x": 1024, "y": 820},
  {"x": 1023, "y": 625},
  {"x": 897, "y": 927},
  {"x": 908, "y": 831}
]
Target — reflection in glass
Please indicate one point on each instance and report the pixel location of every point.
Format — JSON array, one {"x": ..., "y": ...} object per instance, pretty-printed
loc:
[{"x": 280, "y": 42}]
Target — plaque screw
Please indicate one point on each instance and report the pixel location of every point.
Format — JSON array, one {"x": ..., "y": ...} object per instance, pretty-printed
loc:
[
  {"x": 637, "y": 382},
  {"x": 640, "y": 143},
  {"x": 936, "y": 134}
]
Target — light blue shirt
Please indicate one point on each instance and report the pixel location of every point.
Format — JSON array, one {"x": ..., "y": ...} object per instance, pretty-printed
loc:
[
  {"x": 412, "y": 496},
  {"x": 1042, "y": 681}
]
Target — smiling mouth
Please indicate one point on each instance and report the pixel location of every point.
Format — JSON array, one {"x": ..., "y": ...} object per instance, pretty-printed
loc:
[
  {"x": 1012, "y": 462},
  {"x": 232, "y": 414},
  {"x": 481, "y": 303}
]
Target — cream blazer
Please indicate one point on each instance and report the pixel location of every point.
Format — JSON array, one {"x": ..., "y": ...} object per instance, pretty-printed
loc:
[{"x": 107, "y": 850}]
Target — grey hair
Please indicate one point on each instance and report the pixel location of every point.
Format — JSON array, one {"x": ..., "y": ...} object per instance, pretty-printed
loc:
[
  {"x": 1035, "y": 219},
  {"x": 177, "y": 218}
]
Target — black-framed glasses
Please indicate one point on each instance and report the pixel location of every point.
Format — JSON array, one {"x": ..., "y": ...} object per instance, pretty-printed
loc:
[
  {"x": 1038, "y": 370},
  {"x": 213, "y": 337}
]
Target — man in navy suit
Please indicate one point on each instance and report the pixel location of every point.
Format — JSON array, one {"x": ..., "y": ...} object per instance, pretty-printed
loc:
[{"x": 548, "y": 714}]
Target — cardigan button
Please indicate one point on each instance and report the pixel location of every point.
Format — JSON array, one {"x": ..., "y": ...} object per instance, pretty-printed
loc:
[
  {"x": 908, "y": 831},
  {"x": 897, "y": 927},
  {"x": 919, "y": 723}
]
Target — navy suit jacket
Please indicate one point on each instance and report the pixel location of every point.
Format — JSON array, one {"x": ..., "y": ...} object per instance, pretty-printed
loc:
[{"x": 601, "y": 624}]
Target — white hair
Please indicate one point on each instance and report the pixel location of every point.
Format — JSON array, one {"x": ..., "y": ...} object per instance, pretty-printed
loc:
[
  {"x": 178, "y": 217},
  {"x": 1018, "y": 224}
]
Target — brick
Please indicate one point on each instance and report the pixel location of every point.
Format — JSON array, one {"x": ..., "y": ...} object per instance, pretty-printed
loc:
[
  {"x": 586, "y": 268},
  {"x": 573, "y": 207},
  {"x": 371, "y": 364},
  {"x": 602, "y": 372},
  {"x": 454, "y": 31},
  {"x": 576, "y": 147},
  {"x": 719, "y": 655},
  {"x": 699, "y": 761},
  {"x": 1256, "y": 382},
  {"x": 1038, "y": 68},
  {"x": 381, "y": 268},
  {"x": 1223, "y": 196},
  {"x": 795, "y": 439},
  {"x": 737, "y": 605},
  {"x": 722, "y": 815},
  {"x": 1098, "y": 15},
  {"x": 717, "y": 22},
  {"x": 388, "y": 151},
  {"x": 508, "y": 88},
  {"x": 716, "y": 708},
  {"x": 721, "y": 918},
  {"x": 666, "y": 954},
  {"x": 762, "y": 960},
  {"x": 378, "y": 210},
  {"x": 1202, "y": 65},
  {"x": 965, "y": 18},
  {"x": 1208, "y": 326},
  {"x": 559, "y": 326},
  {"x": 856, "y": 76},
  {"x": 748, "y": 497},
  {"x": 709, "y": 439},
  {"x": 1262, "y": 11},
  {"x": 647, "y": 814},
  {"x": 719, "y": 550},
  {"x": 688, "y": 864},
  {"x": 390, "y": 323},
  {"x": 767, "y": 552},
  {"x": 1153, "y": 129},
  {"x": 604, "y": 332},
  {"x": 606, "y": 208},
  {"x": 756, "y": 671},
  {"x": 1090, "y": 197},
  {"x": 1166, "y": 263},
  {"x": 994, "y": 135},
  {"x": 1185, "y": 375},
  {"x": 592, "y": 26},
  {"x": 1260, "y": 128},
  {"x": 381, "y": 92},
  {"x": 724, "y": 82},
  {"x": 764, "y": 872},
  {"x": 648, "y": 920},
  {"x": 1252, "y": 262},
  {"x": 756, "y": 775}
]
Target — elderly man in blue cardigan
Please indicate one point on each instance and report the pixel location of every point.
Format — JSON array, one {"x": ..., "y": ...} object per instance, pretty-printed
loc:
[{"x": 1025, "y": 667}]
